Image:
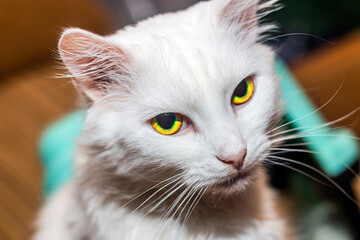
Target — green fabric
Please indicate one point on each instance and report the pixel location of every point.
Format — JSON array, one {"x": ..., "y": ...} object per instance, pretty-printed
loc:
[
  {"x": 335, "y": 150},
  {"x": 335, "y": 153},
  {"x": 57, "y": 147}
]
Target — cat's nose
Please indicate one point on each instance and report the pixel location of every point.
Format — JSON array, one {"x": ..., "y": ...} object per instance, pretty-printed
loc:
[{"x": 236, "y": 160}]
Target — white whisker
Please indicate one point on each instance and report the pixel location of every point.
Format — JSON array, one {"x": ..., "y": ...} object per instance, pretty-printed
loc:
[
  {"x": 306, "y": 115},
  {"x": 192, "y": 208},
  {"x": 166, "y": 197},
  {"x": 163, "y": 181},
  {"x": 297, "y": 34},
  {"x": 297, "y": 170},
  {"x": 156, "y": 193},
  {"x": 319, "y": 172}
]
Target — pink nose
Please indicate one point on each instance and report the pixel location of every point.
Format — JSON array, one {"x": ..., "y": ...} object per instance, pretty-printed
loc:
[{"x": 237, "y": 161}]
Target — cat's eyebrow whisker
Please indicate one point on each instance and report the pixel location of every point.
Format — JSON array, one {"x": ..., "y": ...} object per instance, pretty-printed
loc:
[
  {"x": 306, "y": 115},
  {"x": 319, "y": 172}
]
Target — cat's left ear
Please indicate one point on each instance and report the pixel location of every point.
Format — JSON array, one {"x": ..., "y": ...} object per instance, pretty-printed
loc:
[
  {"x": 241, "y": 17},
  {"x": 97, "y": 65}
]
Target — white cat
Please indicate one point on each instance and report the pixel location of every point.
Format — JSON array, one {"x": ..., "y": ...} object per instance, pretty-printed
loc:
[{"x": 176, "y": 130}]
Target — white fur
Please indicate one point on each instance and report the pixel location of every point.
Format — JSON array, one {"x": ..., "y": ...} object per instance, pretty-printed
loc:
[{"x": 189, "y": 62}]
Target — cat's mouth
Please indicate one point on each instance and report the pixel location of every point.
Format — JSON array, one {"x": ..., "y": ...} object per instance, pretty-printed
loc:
[{"x": 240, "y": 176}]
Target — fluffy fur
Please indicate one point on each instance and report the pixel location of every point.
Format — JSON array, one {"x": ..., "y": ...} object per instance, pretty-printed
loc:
[{"x": 134, "y": 183}]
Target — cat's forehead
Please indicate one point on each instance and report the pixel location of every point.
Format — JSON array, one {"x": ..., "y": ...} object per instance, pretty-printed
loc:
[
  {"x": 188, "y": 69},
  {"x": 189, "y": 79},
  {"x": 184, "y": 58}
]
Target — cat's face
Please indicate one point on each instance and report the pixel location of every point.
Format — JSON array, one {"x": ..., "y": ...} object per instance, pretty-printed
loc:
[{"x": 190, "y": 64}]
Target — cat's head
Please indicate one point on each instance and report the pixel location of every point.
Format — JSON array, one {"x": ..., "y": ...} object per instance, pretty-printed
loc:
[{"x": 190, "y": 93}]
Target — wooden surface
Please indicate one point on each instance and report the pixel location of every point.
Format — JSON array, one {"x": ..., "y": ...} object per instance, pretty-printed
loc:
[
  {"x": 29, "y": 30},
  {"x": 28, "y": 102},
  {"x": 334, "y": 67},
  {"x": 31, "y": 100},
  {"x": 356, "y": 188}
]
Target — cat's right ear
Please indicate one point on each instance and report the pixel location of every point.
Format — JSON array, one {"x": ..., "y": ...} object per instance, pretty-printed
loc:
[{"x": 97, "y": 66}]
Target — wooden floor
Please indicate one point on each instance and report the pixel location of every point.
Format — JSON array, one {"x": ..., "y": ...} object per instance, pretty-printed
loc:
[
  {"x": 28, "y": 103},
  {"x": 31, "y": 100}
]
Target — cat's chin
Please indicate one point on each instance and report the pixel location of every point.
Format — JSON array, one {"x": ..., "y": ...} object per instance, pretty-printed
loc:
[{"x": 236, "y": 183}]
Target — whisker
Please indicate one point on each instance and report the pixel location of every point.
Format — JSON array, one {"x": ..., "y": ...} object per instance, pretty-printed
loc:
[
  {"x": 294, "y": 144},
  {"x": 163, "y": 181},
  {"x": 172, "y": 179},
  {"x": 194, "y": 205},
  {"x": 185, "y": 199},
  {"x": 313, "y": 152},
  {"x": 333, "y": 122},
  {"x": 174, "y": 203},
  {"x": 281, "y": 150},
  {"x": 163, "y": 194},
  {"x": 166, "y": 197},
  {"x": 306, "y": 115},
  {"x": 191, "y": 194},
  {"x": 321, "y": 173},
  {"x": 298, "y": 136},
  {"x": 156, "y": 193},
  {"x": 168, "y": 211},
  {"x": 287, "y": 131},
  {"x": 299, "y": 171},
  {"x": 181, "y": 204},
  {"x": 297, "y": 34},
  {"x": 198, "y": 193},
  {"x": 309, "y": 128}
]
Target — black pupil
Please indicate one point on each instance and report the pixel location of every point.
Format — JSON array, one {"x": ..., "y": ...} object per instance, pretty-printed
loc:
[
  {"x": 241, "y": 89},
  {"x": 166, "y": 120}
]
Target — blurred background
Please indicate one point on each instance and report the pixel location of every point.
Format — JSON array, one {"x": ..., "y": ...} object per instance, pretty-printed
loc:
[{"x": 319, "y": 40}]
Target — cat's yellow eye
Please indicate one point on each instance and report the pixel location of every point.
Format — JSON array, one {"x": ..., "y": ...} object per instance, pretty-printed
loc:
[
  {"x": 167, "y": 123},
  {"x": 243, "y": 91}
]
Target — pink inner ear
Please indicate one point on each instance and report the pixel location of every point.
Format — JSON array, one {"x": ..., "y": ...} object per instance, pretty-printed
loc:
[
  {"x": 85, "y": 42},
  {"x": 93, "y": 62},
  {"x": 241, "y": 13}
]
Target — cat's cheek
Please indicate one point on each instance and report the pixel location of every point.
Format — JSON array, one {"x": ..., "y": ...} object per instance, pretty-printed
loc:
[{"x": 257, "y": 150}]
